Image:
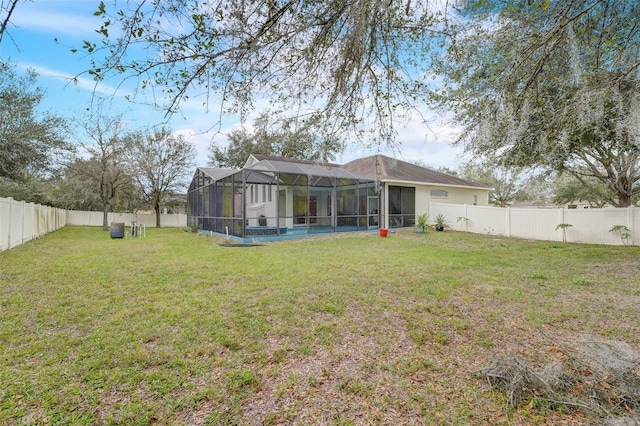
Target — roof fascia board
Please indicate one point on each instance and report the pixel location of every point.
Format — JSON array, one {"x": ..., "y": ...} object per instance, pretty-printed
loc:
[
  {"x": 250, "y": 161},
  {"x": 449, "y": 185}
]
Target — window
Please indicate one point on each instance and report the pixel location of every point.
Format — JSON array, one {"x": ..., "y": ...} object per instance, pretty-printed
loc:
[
  {"x": 439, "y": 193},
  {"x": 402, "y": 206}
]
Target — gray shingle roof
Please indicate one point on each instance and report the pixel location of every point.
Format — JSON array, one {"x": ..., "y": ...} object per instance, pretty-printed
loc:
[
  {"x": 302, "y": 167},
  {"x": 217, "y": 174},
  {"x": 386, "y": 168}
]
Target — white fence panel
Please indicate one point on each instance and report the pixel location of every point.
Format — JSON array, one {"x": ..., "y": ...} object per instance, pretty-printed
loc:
[
  {"x": 535, "y": 224},
  {"x": 487, "y": 220},
  {"x": 593, "y": 225},
  {"x": 21, "y": 222},
  {"x": 79, "y": 218},
  {"x": 479, "y": 219},
  {"x": 4, "y": 223},
  {"x": 587, "y": 225},
  {"x": 450, "y": 211}
]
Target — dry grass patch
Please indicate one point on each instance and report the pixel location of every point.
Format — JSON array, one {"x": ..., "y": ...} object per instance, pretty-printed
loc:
[{"x": 338, "y": 330}]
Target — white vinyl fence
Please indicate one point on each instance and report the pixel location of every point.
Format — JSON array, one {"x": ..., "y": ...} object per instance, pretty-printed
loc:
[
  {"x": 78, "y": 218},
  {"x": 589, "y": 226},
  {"x": 21, "y": 222}
]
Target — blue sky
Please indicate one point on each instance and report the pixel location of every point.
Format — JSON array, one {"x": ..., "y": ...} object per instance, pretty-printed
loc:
[{"x": 43, "y": 33}]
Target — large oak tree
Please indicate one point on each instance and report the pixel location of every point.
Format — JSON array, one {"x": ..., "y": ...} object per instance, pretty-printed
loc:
[{"x": 553, "y": 84}]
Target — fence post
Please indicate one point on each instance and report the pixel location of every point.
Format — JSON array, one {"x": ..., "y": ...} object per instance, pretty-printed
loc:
[
  {"x": 466, "y": 215},
  {"x": 24, "y": 210},
  {"x": 9, "y": 222},
  {"x": 561, "y": 220},
  {"x": 630, "y": 216}
]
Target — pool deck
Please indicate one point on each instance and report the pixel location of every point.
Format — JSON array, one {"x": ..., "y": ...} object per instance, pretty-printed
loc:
[{"x": 269, "y": 233}]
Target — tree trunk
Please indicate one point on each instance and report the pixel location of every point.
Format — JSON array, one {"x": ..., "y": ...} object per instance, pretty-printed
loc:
[
  {"x": 105, "y": 213},
  {"x": 624, "y": 200},
  {"x": 157, "y": 209}
]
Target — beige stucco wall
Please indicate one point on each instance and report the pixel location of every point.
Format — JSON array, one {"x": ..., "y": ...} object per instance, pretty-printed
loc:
[{"x": 455, "y": 195}]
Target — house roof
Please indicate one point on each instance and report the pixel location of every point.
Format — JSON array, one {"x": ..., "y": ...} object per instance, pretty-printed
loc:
[
  {"x": 217, "y": 174},
  {"x": 262, "y": 169},
  {"x": 385, "y": 168},
  {"x": 260, "y": 157},
  {"x": 302, "y": 167},
  {"x": 380, "y": 167}
]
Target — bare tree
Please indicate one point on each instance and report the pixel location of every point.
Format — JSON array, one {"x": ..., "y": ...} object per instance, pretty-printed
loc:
[
  {"x": 160, "y": 162},
  {"x": 507, "y": 183},
  {"x": 105, "y": 171},
  {"x": 7, "y": 8}
]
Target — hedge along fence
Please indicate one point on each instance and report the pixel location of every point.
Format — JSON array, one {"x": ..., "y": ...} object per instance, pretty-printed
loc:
[
  {"x": 21, "y": 222},
  {"x": 589, "y": 226}
]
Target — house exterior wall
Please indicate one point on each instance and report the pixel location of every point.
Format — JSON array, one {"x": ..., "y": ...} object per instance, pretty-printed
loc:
[
  {"x": 261, "y": 206},
  {"x": 455, "y": 195},
  {"x": 479, "y": 197}
]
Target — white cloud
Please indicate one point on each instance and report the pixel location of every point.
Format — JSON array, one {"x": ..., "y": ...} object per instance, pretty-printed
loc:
[
  {"x": 70, "y": 17},
  {"x": 78, "y": 82}
]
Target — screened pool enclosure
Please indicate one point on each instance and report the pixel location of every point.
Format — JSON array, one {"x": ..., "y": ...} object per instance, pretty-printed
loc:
[{"x": 274, "y": 197}]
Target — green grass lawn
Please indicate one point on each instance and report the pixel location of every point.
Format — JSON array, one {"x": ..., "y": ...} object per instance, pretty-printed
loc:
[{"x": 345, "y": 329}]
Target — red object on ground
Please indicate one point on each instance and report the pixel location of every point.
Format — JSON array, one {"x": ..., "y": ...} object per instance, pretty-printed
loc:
[{"x": 383, "y": 232}]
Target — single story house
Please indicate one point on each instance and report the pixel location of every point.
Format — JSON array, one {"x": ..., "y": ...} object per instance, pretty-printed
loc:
[
  {"x": 406, "y": 188},
  {"x": 272, "y": 197}
]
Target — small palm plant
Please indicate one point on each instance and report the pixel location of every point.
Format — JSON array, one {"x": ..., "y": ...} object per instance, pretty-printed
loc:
[
  {"x": 464, "y": 220},
  {"x": 441, "y": 222},
  {"x": 421, "y": 222},
  {"x": 624, "y": 232},
  {"x": 564, "y": 227}
]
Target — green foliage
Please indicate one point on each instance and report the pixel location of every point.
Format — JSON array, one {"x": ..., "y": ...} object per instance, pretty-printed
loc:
[
  {"x": 564, "y": 227},
  {"x": 297, "y": 139},
  {"x": 241, "y": 381},
  {"x": 317, "y": 60},
  {"x": 508, "y": 183},
  {"x": 441, "y": 222},
  {"x": 160, "y": 162},
  {"x": 623, "y": 231},
  {"x": 30, "y": 139},
  {"x": 569, "y": 190},
  {"x": 551, "y": 87},
  {"x": 421, "y": 221}
]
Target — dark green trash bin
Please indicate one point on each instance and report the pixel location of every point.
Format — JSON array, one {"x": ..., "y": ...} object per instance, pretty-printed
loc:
[{"x": 117, "y": 229}]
